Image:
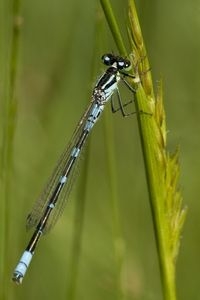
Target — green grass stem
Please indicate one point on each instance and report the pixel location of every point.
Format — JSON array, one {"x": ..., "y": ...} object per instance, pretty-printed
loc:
[
  {"x": 78, "y": 231},
  {"x": 81, "y": 195},
  {"x": 118, "y": 240},
  {"x": 9, "y": 126},
  {"x": 110, "y": 17},
  {"x": 162, "y": 169}
]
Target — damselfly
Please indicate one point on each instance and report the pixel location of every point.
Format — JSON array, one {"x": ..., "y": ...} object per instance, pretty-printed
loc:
[{"x": 50, "y": 205}]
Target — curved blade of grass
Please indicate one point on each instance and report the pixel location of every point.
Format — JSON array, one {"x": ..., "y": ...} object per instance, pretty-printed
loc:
[
  {"x": 118, "y": 239},
  {"x": 108, "y": 11},
  {"x": 162, "y": 169},
  {"x": 9, "y": 125},
  {"x": 78, "y": 229}
]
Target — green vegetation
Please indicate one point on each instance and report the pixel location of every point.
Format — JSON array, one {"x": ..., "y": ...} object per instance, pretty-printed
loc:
[{"x": 106, "y": 245}]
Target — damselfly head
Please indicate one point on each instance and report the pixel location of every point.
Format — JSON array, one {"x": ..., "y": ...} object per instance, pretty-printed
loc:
[
  {"x": 116, "y": 61},
  {"x": 108, "y": 59}
]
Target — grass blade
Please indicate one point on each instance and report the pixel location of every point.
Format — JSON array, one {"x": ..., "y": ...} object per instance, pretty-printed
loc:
[
  {"x": 9, "y": 126},
  {"x": 162, "y": 169}
]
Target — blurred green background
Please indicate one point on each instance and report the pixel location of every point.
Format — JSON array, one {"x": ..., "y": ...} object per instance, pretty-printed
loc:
[{"x": 60, "y": 51}]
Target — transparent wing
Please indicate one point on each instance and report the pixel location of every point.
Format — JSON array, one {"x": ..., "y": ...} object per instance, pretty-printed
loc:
[{"x": 40, "y": 205}]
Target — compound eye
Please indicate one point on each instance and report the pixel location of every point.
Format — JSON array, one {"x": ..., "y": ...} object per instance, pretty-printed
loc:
[
  {"x": 127, "y": 64},
  {"x": 108, "y": 59},
  {"x": 120, "y": 64},
  {"x": 123, "y": 64}
]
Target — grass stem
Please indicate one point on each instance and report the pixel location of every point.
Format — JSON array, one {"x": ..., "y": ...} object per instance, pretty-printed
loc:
[
  {"x": 9, "y": 126},
  {"x": 161, "y": 168}
]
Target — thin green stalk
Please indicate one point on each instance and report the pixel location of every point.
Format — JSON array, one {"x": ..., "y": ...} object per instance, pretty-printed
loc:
[
  {"x": 80, "y": 205},
  {"x": 78, "y": 232},
  {"x": 108, "y": 11},
  {"x": 118, "y": 240},
  {"x": 9, "y": 125},
  {"x": 162, "y": 169},
  {"x": 119, "y": 243}
]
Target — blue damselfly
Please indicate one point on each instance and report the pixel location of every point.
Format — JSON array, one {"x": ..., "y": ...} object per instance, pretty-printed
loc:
[{"x": 51, "y": 202}]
